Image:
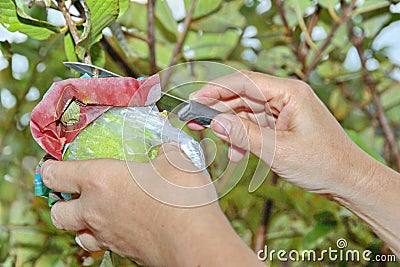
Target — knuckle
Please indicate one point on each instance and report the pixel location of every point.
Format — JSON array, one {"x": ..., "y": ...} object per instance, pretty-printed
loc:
[
  {"x": 55, "y": 218},
  {"x": 302, "y": 87},
  {"x": 242, "y": 135},
  {"x": 92, "y": 219}
]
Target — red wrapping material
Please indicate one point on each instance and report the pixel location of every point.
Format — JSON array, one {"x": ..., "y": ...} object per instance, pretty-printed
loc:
[{"x": 97, "y": 95}]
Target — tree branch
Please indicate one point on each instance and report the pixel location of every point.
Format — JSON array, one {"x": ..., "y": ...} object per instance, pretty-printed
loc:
[
  {"x": 371, "y": 84},
  {"x": 137, "y": 36},
  {"x": 71, "y": 25},
  {"x": 151, "y": 37},
  {"x": 317, "y": 56},
  {"x": 260, "y": 237},
  {"x": 182, "y": 37},
  {"x": 118, "y": 59}
]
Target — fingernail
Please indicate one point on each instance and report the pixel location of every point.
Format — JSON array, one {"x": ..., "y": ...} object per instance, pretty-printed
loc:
[
  {"x": 78, "y": 241},
  {"x": 222, "y": 126},
  {"x": 45, "y": 165},
  {"x": 200, "y": 96}
]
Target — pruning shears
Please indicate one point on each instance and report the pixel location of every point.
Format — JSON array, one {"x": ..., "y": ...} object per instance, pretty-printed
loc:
[{"x": 186, "y": 110}]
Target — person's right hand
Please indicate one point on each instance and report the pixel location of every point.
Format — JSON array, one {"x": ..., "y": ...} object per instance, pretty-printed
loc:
[{"x": 284, "y": 123}]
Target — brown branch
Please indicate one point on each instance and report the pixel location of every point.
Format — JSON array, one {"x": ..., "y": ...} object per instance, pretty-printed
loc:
[
  {"x": 317, "y": 56},
  {"x": 304, "y": 48},
  {"x": 260, "y": 237},
  {"x": 151, "y": 37},
  {"x": 182, "y": 37},
  {"x": 124, "y": 66},
  {"x": 288, "y": 32},
  {"x": 137, "y": 36},
  {"x": 371, "y": 84},
  {"x": 71, "y": 25},
  {"x": 351, "y": 98}
]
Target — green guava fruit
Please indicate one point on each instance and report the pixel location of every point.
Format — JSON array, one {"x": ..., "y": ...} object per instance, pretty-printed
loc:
[{"x": 131, "y": 133}]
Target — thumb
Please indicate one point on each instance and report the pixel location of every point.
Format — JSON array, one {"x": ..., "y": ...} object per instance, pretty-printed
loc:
[{"x": 245, "y": 134}]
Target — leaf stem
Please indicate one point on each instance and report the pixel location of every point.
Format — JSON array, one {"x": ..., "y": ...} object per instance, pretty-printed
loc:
[
  {"x": 185, "y": 31},
  {"x": 260, "y": 237},
  {"x": 151, "y": 36},
  {"x": 71, "y": 25},
  {"x": 318, "y": 54}
]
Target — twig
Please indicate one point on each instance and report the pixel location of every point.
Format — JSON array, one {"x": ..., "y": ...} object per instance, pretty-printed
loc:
[
  {"x": 289, "y": 34},
  {"x": 151, "y": 37},
  {"x": 71, "y": 25},
  {"x": 303, "y": 27},
  {"x": 118, "y": 59},
  {"x": 260, "y": 237},
  {"x": 182, "y": 37},
  {"x": 383, "y": 120},
  {"x": 317, "y": 56},
  {"x": 137, "y": 36},
  {"x": 304, "y": 47},
  {"x": 288, "y": 31},
  {"x": 360, "y": 106}
]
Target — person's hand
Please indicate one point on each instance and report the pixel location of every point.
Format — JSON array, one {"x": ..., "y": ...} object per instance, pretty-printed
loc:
[
  {"x": 284, "y": 123},
  {"x": 112, "y": 212}
]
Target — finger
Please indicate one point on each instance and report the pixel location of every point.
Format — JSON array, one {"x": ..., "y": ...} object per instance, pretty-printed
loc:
[
  {"x": 236, "y": 154},
  {"x": 240, "y": 103},
  {"x": 246, "y": 135},
  {"x": 63, "y": 176},
  {"x": 242, "y": 83},
  {"x": 86, "y": 240},
  {"x": 66, "y": 215},
  {"x": 195, "y": 126}
]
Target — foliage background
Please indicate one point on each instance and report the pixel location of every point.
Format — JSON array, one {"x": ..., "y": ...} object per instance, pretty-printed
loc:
[{"x": 333, "y": 45}]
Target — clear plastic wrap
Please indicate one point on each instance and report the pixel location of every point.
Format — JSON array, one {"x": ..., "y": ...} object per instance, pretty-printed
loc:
[{"x": 131, "y": 133}]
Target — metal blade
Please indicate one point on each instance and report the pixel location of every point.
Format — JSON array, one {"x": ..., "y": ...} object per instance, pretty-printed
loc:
[{"x": 92, "y": 70}]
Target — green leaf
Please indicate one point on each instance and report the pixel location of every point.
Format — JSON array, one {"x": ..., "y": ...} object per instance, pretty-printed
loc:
[
  {"x": 339, "y": 105},
  {"x": 69, "y": 47},
  {"x": 325, "y": 223},
  {"x": 98, "y": 55},
  {"x": 99, "y": 14},
  {"x": 25, "y": 18},
  {"x": 164, "y": 15},
  {"x": 278, "y": 60},
  {"x": 210, "y": 45},
  {"x": 227, "y": 17},
  {"x": 47, "y": 3},
  {"x": 107, "y": 260},
  {"x": 327, "y": 3},
  {"x": 137, "y": 11},
  {"x": 5, "y": 49},
  {"x": 47, "y": 260},
  {"x": 204, "y": 7},
  {"x": 123, "y": 7},
  {"x": 12, "y": 22}
]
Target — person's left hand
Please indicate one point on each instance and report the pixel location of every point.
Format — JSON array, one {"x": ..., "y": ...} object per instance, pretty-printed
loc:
[{"x": 112, "y": 212}]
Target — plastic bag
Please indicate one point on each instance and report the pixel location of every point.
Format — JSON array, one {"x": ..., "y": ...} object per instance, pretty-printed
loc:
[{"x": 133, "y": 134}]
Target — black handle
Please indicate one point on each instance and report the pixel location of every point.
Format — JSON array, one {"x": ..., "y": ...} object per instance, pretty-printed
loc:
[{"x": 197, "y": 112}]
